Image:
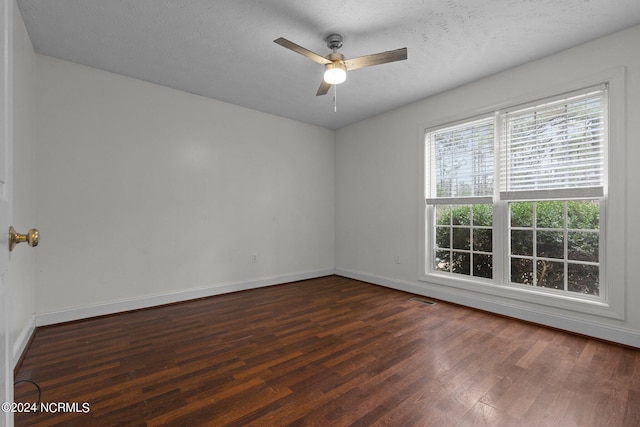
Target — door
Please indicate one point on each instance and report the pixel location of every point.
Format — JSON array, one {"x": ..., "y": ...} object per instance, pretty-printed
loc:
[{"x": 6, "y": 135}]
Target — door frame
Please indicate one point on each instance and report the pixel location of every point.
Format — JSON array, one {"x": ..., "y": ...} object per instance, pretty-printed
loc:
[{"x": 6, "y": 203}]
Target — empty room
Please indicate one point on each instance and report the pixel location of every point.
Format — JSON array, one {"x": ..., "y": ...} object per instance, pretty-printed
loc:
[{"x": 402, "y": 213}]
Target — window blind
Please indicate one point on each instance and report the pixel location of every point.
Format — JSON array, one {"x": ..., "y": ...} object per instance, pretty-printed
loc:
[
  {"x": 554, "y": 147},
  {"x": 461, "y": 162}
]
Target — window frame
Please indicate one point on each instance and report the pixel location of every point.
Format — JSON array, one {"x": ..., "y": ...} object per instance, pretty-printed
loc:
[{"x": 611, "y": 301}]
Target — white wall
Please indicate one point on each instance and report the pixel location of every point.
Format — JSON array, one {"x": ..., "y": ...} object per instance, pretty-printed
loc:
[
  {"x": 148, "y": 195},
  {"x": 378, "y": 177},
  {"x": 23, "y": 258}
]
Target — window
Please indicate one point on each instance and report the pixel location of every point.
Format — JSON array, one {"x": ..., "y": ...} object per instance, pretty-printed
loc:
[
  {"x": 553, "y": 156},
  {"x": 517, "y": 199},
  {"x": 461, "y": 176}
]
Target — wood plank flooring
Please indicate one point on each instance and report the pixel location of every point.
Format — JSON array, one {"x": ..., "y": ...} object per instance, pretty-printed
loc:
[{"x": 325, "y": 352}]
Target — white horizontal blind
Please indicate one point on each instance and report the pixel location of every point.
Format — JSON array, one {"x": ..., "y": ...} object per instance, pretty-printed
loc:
[
  {"x": 558, "y": 145},
  {"x": 461, "y": 162}
]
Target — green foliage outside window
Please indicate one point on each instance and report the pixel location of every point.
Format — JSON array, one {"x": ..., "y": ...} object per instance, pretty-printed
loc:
[
  {"x": 539, "y": 255},
  {"x": 464, "y": 240},
  {"x": 547, "y": 260}
]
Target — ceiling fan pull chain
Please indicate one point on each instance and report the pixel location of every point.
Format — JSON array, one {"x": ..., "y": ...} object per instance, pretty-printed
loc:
[{"x": 335, "y": 97}]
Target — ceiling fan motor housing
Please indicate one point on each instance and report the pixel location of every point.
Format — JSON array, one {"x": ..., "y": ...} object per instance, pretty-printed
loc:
[{"x": 334, "y": 41}]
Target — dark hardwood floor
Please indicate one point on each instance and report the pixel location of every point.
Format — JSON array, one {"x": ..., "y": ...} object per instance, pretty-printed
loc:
[{"x": 325, "y": 352}]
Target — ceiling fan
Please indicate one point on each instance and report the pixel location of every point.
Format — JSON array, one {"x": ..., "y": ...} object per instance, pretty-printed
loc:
[{"x": 335, "y": 66}]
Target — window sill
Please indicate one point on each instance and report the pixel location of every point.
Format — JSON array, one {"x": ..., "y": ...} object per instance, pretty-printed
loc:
[{"x": 597, "y": 306}]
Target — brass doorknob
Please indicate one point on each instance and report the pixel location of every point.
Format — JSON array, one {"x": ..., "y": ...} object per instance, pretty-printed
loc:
[{"x": 32, "y": 237}]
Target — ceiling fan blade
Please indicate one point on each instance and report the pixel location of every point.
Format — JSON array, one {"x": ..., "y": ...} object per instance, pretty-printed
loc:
[
  {"x": 376, "y": 59},
  {"x": 302, "y": 51},
  {"x": 324, "y": 88}
]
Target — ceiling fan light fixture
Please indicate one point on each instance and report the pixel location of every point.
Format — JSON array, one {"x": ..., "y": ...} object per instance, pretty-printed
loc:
[{"x": 335, "y": 73}]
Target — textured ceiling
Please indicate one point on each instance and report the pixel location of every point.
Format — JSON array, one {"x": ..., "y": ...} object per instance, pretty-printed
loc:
[{"x": 224, "y": 49}]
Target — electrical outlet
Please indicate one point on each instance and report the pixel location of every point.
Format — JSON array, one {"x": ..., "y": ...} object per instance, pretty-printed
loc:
[{"x": 254, "y": 258}]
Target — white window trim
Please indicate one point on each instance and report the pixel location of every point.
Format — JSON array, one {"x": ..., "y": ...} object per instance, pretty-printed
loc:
[{"x": 613, "y": 230}]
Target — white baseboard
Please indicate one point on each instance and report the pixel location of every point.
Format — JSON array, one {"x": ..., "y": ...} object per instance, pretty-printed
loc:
[
  {"x": 71, "y": 314},
  {"x": 20, "y": 344},
  {"x": 513, "y": 309}
]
